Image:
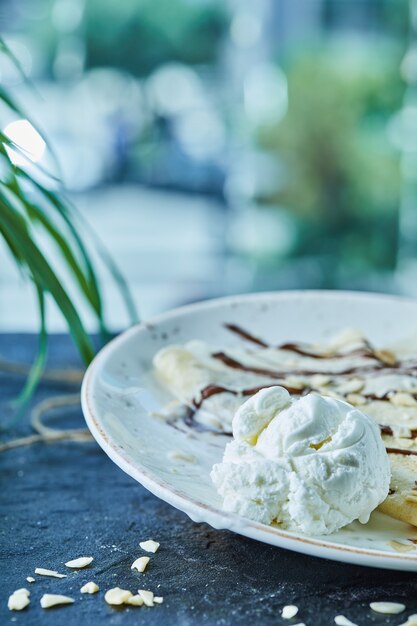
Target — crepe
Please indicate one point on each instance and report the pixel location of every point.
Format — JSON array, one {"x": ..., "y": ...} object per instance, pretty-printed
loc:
[{"x": 211, "y": 382}]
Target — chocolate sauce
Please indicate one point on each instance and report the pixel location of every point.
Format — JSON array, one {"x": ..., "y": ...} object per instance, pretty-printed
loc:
[
  {"x": 387, "y": 430},
  {"x": 230, "y": 362},
  {"x": 293, "y": 390},
  {"x": 367, "y": 351},
  {"x": 299, "y": 349},
  {"x": 401, "y": 451},
  {"x": 227, "y": 360},
  {"x": 186, "y": 417},
  {"x": 373, "y": 396},
  {"x": 234, "y": 328},
  {"x": 212, "y": 390},
  {"x": 207, "y": 392},
  {"x": 190, "y": 421}
]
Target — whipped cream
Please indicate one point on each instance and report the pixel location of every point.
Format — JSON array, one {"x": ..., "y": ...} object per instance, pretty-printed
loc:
[{"x": 314, "y": 464}]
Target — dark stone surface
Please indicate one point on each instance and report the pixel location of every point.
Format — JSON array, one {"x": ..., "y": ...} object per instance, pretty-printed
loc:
[{"x": 64, "y": 500}]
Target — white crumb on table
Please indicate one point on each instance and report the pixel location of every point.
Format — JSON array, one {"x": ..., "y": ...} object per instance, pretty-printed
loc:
[{"x": 149, "y": 546}]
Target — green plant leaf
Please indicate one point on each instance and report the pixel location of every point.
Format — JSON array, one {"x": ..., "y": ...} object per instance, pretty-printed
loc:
[
  {"x": 25, "y": 202},
  {"x": 66, "y": 212},
  {"x": 87, "y": 283},
  {"x": 38, "y": 365},
  {"x": 5, "y": 49},
  {"x": 42, "y": 274},
  {"x": 8, "y": 100},
  {"x": 36, "y": 371},
  {"x": 87, "y": 279}
]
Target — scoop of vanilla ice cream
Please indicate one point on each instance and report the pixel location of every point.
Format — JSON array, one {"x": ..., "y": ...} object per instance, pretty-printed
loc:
[{"x": 314, "y": 464}]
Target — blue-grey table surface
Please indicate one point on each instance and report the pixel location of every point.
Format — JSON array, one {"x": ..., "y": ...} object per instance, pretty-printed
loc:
[{"x": 62, "y": 500}]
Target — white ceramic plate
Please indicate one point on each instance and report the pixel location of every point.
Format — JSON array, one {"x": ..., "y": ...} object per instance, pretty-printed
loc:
[{"x": 119, "y": 395}]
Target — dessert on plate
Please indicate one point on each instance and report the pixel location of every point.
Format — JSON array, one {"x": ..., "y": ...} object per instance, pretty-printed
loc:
[
  {"x": 314, "y": 464},
  {"x": 303, "y": 414}
]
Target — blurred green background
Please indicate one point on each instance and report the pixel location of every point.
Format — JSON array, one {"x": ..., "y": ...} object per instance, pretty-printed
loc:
[{"x": 221, "y": 147}]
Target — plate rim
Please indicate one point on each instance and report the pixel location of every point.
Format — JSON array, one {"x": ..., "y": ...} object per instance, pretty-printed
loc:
[{"x": 192, "y": 507}]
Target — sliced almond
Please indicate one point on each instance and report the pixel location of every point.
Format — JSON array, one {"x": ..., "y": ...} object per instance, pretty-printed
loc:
[
  {"x": 90, "y": 587},
  {"x": 158, "y": 599},
  {"x": 150, "y": 545},
  {"x": 147, "y": 597},
  {"x": 117, "y": 596},
  {"x": 140, "y": 563},
  {"x": 30, "y": 579},
  {"x": 81, "y": 562},
  {"x": 289, "y": 611},
  {"x": 49, "y": 572},
  {"x": 341, "y": 620},
  {"x": 386, "y": 356},
  {"x": 23, "y": 590},
  {"x": 402, "y": 398},
  {"x": 356, "y": 399},
  {"x": 135, "y": 600},
  {"x": 18, "y": 600},
  {"x": 49, "y": 600},
  {"x": 388, "y": 608}
]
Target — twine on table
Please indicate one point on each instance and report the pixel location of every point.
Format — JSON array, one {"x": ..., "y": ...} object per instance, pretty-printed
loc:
[
  {"x": 44, "y": 433},
  {"x": 66, "y": 376}
]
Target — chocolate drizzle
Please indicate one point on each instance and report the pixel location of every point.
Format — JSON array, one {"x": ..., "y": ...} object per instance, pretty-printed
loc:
[
  {"x": 404, "y": 452},
  {"x": 375, "y": 361},
  {"x": 234, "y": 364},
  {"x": 212, "y": 390},
  {"x": 234, "y": 328},
  {"x": 365, "y": 352},
  {"x": 387, "y": 430},
  {"x": 227, "y": 360},
  {"x": 207, "y": 392}
]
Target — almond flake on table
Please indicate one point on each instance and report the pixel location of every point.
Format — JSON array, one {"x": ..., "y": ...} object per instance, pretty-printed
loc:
[
  {"x": 388, "y": 608},
  {"x": 81, "y": 562},
  {"x": 117, "y": 596},
  {"x": 158, "y": 599},
  {"x": 289, "y": 611},
  {"x": 49, "y": 572},
  {"x": 147, "y": 597},
  {"x": 90, "y": 587},
  {"x": 49, "y": 600},
  {"x": 30, "y": 579},
  {"x": 18, "y": 600},
  {"x": 150, "y": 545},
  {"x": 341, "y": 620},
  {"x": 135, "y": 600},
  {"x": 140, "y": 563}
]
